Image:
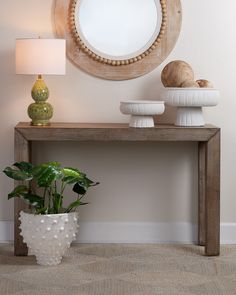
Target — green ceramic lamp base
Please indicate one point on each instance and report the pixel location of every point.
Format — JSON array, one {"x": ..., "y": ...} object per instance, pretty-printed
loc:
[
  {"x": 40, "y": 123},
  {"x": 41, "y": 111}
]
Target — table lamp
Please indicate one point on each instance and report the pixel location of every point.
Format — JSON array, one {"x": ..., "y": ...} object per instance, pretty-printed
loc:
[{"x": 40, "y": 57}]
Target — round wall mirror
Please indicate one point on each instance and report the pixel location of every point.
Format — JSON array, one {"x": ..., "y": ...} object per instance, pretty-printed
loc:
[
  {"x": 124, "y": 29},
  {"x": 118, "y": 39}
]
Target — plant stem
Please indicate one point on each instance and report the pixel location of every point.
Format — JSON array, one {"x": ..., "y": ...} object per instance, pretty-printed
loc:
[
  {"x": 55, "y": 187},
  {"x": 51, "y": 197},
  {"x": 81, "y": 196},
  {"x": 61, "y": 190},
  {"x": 44, "y": 195},
  {"x": 63, "y": 186},
  {"x": 49, "y": 200}
]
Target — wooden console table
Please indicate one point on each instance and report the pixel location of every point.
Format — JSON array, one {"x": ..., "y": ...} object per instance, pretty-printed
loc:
[{"x": 208, "y": 138}]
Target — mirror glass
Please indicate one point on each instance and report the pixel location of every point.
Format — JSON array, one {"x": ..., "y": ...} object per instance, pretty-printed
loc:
[{"x": 118, "y": 29}]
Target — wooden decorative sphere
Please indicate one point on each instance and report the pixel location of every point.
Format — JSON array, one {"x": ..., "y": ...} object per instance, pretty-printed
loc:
[
  {"x": 189, "y": 84},
  {"x": 176, "y": 73},
  {"x": 204, "y": 83}
]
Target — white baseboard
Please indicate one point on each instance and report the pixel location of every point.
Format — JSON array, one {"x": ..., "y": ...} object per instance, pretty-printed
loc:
[
  {"x": 6, "y": 231},
  {"x": 133, "y": 232},
  {"x": 228, "y": 233}
]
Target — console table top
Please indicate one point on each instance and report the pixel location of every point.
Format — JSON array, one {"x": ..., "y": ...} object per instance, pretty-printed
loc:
[{"x": 113, "y": 132}]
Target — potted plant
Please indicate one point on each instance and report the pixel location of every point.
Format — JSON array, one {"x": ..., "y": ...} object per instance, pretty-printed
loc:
[{"x": 50, "y": 227}]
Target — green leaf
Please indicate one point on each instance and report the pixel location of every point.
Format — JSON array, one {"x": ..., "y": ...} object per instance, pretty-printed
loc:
[
  {"x": 18, "y": 190},
  {"x": 71, "y": 175},
  {"x": 43, "y": 210},
  {"x": 24, "y": 166},
  {"x": 88, "y": 182},
  {"x": 17, "y": 174},
  {"x": 46, "y": 174},
  {"x": 34, "y": 200},
  {"x": 74, "y": 205},
  {"x": 79, "y": 189},
  {"x": 68, "y": 171},
  {"x": 54, "y": 164},
  {"x": 82, "y": 186}
]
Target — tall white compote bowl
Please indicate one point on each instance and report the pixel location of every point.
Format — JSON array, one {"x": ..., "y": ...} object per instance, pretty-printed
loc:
[
  {"x": 142, "y": 111},
  {"x": 189, "y": 103}
]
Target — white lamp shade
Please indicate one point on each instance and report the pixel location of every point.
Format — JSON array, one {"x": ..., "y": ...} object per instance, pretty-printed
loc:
[{"x": 40, "y": 56}]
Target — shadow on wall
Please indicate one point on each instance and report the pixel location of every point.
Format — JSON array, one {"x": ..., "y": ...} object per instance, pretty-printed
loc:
[
  {"x": 15, "y": 97},
  {"x": 7, "y": 70},
  {"x": 13, "y": 87}
]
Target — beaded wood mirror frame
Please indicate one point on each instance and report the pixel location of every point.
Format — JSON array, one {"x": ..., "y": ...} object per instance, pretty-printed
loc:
[{"x": 112, "y": 69}]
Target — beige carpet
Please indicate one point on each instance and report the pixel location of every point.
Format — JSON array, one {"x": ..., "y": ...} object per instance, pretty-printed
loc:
[{"x": 122, "y": 270}]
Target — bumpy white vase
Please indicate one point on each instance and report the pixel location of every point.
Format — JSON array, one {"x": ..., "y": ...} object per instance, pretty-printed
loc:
[{"x": 48, "y": 236}]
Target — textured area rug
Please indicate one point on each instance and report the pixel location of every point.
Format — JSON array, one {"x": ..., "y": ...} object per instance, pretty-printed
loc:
[{"x": 99, "y": 269}]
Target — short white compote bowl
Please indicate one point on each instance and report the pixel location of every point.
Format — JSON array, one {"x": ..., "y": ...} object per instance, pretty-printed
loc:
[
  {"x": 142, "y": 111},
  {"x": 189, "y": 103}
]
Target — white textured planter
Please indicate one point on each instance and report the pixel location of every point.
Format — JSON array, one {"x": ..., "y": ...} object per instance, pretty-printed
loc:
[
  {"x": 142, "y": 112},
  {"x": 189, "y": 103},
  {"x": 48, "y": 236}
]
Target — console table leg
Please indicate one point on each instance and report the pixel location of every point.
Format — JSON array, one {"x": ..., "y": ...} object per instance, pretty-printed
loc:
[
  {"x": 212, "y": 203},
  {"x": 22, "y": 153},
  {"x": 201, "y": 192}
]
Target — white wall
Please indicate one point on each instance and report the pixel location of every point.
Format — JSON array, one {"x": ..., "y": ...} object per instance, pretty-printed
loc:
[{"x": 139, "y": 183}]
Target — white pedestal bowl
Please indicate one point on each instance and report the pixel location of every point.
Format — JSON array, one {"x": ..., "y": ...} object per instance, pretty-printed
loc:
[
  {"x": 189, "y": 103},
  {"x": 142, "y": 112}
]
